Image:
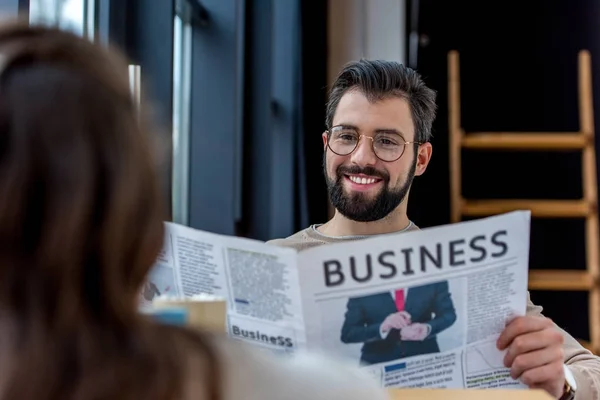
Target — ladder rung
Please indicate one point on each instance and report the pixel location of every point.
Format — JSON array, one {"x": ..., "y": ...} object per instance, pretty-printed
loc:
[
  {"x": 539, "y": 208},
  {"x": 525, "y": 140},
  {"x": 560, "y": 280}
]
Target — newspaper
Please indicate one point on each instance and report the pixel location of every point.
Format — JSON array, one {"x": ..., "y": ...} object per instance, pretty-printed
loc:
[{"x": 416, "y": 309}]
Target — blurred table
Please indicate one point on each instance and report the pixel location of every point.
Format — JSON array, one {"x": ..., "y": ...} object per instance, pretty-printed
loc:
[{"x": 458, "y": 394}]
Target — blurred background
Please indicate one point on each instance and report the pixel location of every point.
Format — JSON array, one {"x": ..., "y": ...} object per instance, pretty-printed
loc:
[{"x": 239, "y": 88}]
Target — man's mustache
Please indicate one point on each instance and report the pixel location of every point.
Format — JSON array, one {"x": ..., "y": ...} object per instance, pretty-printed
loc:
[{"x": 356, "y": 170}]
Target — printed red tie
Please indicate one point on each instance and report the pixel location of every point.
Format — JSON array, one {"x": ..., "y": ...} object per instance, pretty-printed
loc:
[{"x": 400, "y": 299}]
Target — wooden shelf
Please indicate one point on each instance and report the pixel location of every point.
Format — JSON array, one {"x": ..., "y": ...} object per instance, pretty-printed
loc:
[
  {"x": 565, "y": 280},
  {"x": 525, "y": 141},
  {"x": 539, "y": 208}
]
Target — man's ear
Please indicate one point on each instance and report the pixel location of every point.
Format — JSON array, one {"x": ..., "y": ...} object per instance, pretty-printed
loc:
[
  {"x": 324, "y": 135},
  {"x": 423, "y": 158}
]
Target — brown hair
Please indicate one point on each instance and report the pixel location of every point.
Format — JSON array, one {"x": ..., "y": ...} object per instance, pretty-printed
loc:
[
  {"x": 380, "y": 79},
  {"x": 81, "y": 224}
]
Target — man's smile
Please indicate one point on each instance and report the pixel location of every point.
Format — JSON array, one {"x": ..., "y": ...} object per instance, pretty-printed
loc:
[{"x": 362, "y": 182}]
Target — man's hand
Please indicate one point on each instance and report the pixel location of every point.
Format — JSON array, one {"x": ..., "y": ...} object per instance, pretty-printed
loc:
[
  {"x": 416, "y": 331},
  {"x": 534, "y": 353},
  {"x": 396, "y": 320}
]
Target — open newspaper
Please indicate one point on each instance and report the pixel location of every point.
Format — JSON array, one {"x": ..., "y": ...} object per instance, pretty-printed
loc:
[{"x": 417, "y": 309}]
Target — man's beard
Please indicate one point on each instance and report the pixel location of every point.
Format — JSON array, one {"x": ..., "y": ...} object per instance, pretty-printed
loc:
[{"x": 359, "y": 206}]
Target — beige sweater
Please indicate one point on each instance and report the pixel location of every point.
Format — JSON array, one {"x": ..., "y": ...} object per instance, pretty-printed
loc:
[{"x": 584, "y": 365}]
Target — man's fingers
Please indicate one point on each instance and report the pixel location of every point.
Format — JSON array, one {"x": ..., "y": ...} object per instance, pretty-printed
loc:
[
  {"x": 399, "y": 324},
  {"x": 540, "y": 375},
  {"x": 406, "y": 334},
  {"x": 405, "y": 314},
  {"x": 399, "y": 321},
  {"x": 413, "y": 332},
  {"x": 520, "y": 326},
  {"x": 530, "y": 342},
  {"x": 548, "y": 377},
  {"x": 394, "y": 323},
  {"x": 534, "y": 359}
]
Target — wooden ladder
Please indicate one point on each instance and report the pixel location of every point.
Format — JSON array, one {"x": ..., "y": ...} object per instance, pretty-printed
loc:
[{"x": 558, "y": 280}]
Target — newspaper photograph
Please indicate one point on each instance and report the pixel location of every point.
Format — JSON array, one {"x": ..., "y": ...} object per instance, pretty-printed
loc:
[
  {"x": 416, "y": 309},
  {"x": 421, "y": 308}
]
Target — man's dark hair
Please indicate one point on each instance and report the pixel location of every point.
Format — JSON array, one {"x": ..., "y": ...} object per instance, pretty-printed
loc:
[{"x": 378, "y": 80}]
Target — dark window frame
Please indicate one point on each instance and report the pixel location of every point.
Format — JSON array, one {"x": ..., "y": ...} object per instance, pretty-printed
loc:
[{"x": 246, "y": 105}]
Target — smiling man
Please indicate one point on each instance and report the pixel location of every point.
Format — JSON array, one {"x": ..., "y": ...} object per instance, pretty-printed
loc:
[
  {"x": 374, "y": 156},
  {"x": 379, "y": 118}
]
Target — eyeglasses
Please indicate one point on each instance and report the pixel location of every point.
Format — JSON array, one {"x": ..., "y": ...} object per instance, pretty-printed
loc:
[{"x": 387, "y": 146}]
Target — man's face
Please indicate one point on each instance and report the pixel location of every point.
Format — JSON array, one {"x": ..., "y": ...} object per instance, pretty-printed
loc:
[{"x": 361, "y": 186}]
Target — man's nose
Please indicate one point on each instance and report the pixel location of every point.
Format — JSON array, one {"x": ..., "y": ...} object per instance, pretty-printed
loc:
[{"x": 363, "y": 154}]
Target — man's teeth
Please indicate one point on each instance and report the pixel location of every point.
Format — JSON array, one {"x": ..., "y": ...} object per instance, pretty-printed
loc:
[{"x": 362, "y": 180}]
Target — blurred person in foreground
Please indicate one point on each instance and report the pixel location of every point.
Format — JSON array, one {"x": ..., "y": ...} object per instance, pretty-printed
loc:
[
  {"x": 81, "y": 224},
  {"x": 377, "y": 141}
]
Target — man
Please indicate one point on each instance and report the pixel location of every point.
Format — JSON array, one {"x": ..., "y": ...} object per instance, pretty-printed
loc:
[
  {"x": 379, "y": 118},
  {"x": 399, "y": 324}
]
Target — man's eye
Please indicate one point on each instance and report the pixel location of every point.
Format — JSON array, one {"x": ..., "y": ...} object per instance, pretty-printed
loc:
[{"x": 386, "y": 142}]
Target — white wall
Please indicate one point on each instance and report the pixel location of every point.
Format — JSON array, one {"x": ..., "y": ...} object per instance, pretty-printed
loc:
[{"x": 372, "y": 29}]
